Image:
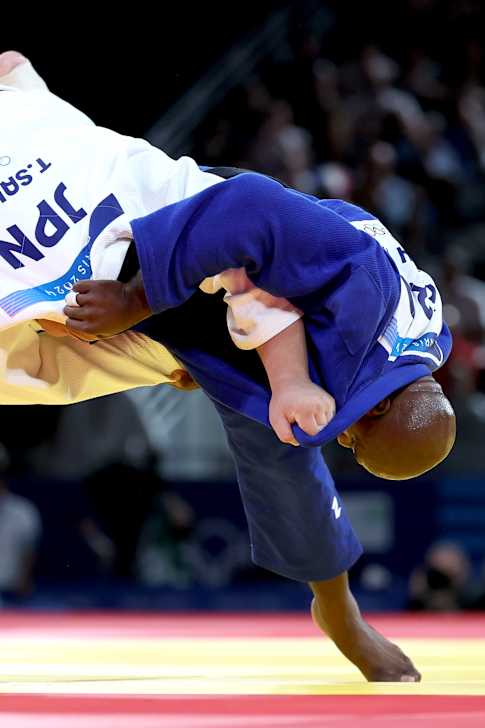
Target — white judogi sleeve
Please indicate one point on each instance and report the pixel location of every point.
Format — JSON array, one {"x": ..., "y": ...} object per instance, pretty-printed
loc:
[{"x": 253, "y": 315}]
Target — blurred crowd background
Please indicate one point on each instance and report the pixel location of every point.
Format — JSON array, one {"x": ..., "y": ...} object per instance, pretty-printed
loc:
[{"x": 130, "y": 501}]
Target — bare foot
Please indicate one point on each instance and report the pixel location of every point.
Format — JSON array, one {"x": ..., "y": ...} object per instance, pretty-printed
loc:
[
  {"x": 378, "y": 659},
  {"x": 10, "y": 60},
  {"x": 17, "y": 71}
]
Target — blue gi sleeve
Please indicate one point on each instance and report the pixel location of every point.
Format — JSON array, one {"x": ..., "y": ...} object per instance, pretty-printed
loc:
[{"x": 289, "y": 245}]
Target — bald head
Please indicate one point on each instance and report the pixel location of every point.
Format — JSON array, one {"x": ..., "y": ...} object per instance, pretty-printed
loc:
[{"x": 406, "y": 434}]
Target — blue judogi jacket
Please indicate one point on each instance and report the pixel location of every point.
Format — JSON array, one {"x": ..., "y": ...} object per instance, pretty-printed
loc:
[{"x": 308, "y": 251}]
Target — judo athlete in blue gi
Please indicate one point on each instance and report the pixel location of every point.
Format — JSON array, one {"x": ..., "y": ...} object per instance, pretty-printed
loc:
[{"x": 374, "y": 335}]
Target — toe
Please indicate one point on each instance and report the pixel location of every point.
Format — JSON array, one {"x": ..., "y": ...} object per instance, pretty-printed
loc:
[{"x": 410, "y": 678}]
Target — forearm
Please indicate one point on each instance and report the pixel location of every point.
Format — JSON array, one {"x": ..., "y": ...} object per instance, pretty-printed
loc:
[
  {"x": 136, "y": 292},
  {"x": 284, "y": 357},
  {"x": 294, "y": 397}
]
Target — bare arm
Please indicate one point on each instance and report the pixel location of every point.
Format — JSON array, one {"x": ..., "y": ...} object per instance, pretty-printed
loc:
[{"x": 295, "y": 398}]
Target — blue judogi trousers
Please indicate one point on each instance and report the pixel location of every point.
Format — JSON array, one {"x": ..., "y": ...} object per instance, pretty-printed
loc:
[{"x": 298, "y": 526}]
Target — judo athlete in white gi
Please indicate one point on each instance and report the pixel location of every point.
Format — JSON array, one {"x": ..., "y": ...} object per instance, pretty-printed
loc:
[{"x": 72, "y": 198}]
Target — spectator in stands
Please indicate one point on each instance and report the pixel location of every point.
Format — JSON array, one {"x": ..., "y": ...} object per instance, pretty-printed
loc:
[
  {"x": 140, "y": 515},
  {"x": 443, "y": 582},
  {"x": 464, "y": 310},
  {"x": 381, "y": 189},
  {"x": 162, "y": 556}
]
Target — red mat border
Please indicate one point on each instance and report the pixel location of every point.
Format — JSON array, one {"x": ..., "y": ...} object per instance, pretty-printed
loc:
[
  {"x": 222, "y": 626},
  {"x": 241, "y": 704}
]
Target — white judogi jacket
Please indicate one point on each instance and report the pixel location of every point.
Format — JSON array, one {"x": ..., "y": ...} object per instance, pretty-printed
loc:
[{"x": 68, "y": 190}]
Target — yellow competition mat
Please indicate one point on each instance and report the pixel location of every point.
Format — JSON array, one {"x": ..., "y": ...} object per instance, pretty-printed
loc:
[
  {"x": 140, "y": 671},
  {"x": 227, "y": 666}
]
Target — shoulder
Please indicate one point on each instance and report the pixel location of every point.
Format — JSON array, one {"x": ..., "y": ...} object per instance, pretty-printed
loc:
[{"x": 347, "y": 210}]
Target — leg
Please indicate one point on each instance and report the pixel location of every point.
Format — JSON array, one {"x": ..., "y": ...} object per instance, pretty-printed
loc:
[
  {"x": 299, "y": 529},
  {"x": 335, "y": 612},
  {"x": 297, "y": 525}
]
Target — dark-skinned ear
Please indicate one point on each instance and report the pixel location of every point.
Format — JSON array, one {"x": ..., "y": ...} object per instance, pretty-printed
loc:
[{"x": 380, "y": 409}]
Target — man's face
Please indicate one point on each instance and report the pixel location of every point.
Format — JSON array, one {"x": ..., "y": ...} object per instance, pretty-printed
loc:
[{"x": 355, "y": 436}]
